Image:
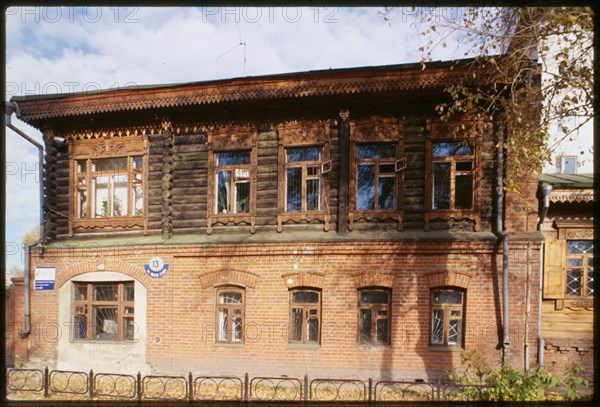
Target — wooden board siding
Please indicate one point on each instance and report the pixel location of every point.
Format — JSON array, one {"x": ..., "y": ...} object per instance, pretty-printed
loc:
[
  {"x": 414, "y": 178},
  {"x": 566, "y": 323}
]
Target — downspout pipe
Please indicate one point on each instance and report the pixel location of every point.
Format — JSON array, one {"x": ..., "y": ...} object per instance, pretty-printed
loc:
[
  {"x": 501, "y": 234},
  {"x": 10, "y": 108},
  {"x": 546, "y": 190}
]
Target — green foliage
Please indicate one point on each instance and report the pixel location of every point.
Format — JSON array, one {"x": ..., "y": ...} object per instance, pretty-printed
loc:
[
  {"x": 532, "y": 70},
  {"x": 507, "y": 383}
]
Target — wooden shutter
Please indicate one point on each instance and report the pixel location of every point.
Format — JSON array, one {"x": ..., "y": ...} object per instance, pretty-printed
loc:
[{"x": 555, "y": 261}]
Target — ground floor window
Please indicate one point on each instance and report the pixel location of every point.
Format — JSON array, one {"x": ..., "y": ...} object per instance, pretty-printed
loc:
[
  {"x": 230, "y": 315},
  {"x": 373, "y": 317},
  {"x": 103, "y": 311},
  {"x": 305, "y": 314},
  {"x": 447, "y": 315}
]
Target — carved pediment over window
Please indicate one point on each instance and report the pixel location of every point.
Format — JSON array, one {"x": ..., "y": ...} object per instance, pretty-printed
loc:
[
  {"x": 376, "y": 129},
  {"x": 112, "y": 133},
  {"x": 110, "y": 147},
  {"x": 304, "y": 133},
  {"x": 575, "y": 230},
  {"x": 468, "y": 127},
  {"x": 232, "y": 138}
]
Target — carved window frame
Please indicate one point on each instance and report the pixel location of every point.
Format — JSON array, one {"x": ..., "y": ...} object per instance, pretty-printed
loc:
[
  {"x": 371, "y": 131},
  {"x": 303, "y": 134},
  {"x": 464, "y": 130},
  {"x": 229, "y": 139},
  {"x": 104, "y": 148}
]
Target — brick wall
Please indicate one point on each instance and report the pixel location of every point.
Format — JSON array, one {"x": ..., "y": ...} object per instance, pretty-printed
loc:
[{"x": 181, "y": 304}]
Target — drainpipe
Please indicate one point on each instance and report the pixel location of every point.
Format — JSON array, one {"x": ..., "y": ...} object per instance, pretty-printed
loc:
[
  {"x": 12, "y": 107},
  {"x": 504, "y": 236},
  {"x": 546, "y": 190}
]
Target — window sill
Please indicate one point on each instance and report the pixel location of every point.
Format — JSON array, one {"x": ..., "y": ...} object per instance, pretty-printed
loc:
[
  {"x": 228, "y": 345},
  {"x": 303, "y": 346},
  {"x": 103, "y": 342},
  {"x": 442, "y": 348}
]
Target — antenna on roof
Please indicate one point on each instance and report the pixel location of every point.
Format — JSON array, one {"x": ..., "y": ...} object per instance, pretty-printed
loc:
[{"x": 242, "y": 43}]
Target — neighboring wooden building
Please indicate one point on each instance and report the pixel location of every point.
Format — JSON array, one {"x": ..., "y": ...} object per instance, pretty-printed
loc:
[
  {"x": 567, "y": 309},
  {"x": 321, "y": 222}
]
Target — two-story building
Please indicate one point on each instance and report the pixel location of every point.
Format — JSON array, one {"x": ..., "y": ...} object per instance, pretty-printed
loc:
[{"x": 323, "y": 222}]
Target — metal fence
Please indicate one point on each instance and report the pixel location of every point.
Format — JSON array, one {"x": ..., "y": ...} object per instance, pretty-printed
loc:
[{"x": 101, "y": 386}]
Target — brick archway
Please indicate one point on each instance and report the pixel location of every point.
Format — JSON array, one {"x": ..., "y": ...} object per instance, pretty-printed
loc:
[
  {"x": 236, "y": 277},
  {"x": 449, "y": 278},
  {"x": 64, "y": 275}
]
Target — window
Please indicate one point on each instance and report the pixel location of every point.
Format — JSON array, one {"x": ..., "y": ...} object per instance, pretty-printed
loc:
[
  {"x": 376, "y": 170},
  {"x": 232, "y": 182},
  {"x": 373, "y": 317},
  {"x": 230, "y": 315},
  {"x": 103, "y": 311},
  {"x": 305, "y": 313},
  {"x": 447, "y": 316},
  {"x": 453, "y": 165},
  {"x": 303, "y": 179},
  {"x": 376, "y": 177},
  {"x": 110, "y": 187},
  {"x": 580, "y": 268},
  {"x": 566, "y": 165},
  {"x": 108, "y": 183},
  {"x": 453, "y": 171}
]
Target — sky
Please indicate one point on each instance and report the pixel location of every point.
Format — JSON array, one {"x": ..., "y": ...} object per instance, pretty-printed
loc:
[{"x": 74, "y": 49}]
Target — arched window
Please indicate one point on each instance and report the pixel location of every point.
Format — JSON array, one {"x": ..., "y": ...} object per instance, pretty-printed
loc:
[{"x": 230, "y": 315}]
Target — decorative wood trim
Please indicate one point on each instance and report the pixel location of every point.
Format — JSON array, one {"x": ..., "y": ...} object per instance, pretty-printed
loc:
[
  {"x": 106, "y": 147},
  {"x": 231, "y": 138},
  {"x": 303, "y": 134},
  {"x": 457, "y": 130},
  {"x": 572, "y": 195},
  {"x": 376, "y": 129},
  {"x": 576, "y": 233}
]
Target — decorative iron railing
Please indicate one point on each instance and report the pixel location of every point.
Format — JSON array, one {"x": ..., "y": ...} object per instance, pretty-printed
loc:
[{"x": 98, "y": 386}]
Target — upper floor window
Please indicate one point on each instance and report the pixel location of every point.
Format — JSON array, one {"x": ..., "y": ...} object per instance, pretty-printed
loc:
[
  {"x": 376, "y": 170},
  {"x": 108, "y": 183},
  {"x": 230, "y": 315},
  {"x": 305, "y": 316},
  {"x": 580, "y": 268},
  {"x": 453, "y": 166},
  {"x": 566, "y": 165},
  {"x": 232, "y": 184},
  {"x": 303, "y": 179},
  {"x": 232, "y": 160},
  {"x": 447, "y": 316},
  {"x": 376, "y": 177},
  {"x": 453, "y": 171},
  {"x": 110, "y": 187},
  {"x": 303, "y": 167},
  {"x": 374, "y": 317},
  {"x": 104, "y": 311}
]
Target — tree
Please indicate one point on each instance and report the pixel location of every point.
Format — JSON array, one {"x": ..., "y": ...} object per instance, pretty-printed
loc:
[{"x": 540, "y": 62}]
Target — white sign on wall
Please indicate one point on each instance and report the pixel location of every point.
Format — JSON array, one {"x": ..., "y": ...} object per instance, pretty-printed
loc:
[{"x": 44, "y": 278}]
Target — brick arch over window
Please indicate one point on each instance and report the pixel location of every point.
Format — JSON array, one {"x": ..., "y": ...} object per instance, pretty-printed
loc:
[
  {"x": 373, "y": 279},
  {"x": 240, "y": 278},
  {"x": 64, "y": 275},
  {"x": 304, "y": 279},
  {"x": 449, "y": 278}
]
